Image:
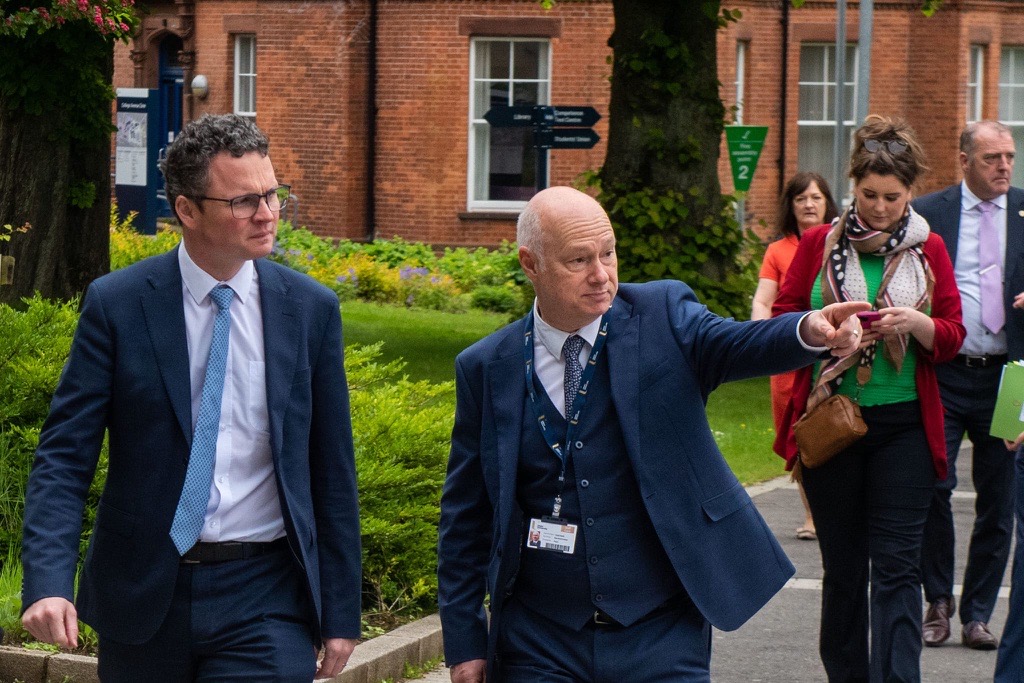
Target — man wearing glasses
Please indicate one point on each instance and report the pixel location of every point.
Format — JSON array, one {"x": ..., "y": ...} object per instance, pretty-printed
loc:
[
  {"x": 226, "y": 542},
  {"x": 981, "y": 221}
]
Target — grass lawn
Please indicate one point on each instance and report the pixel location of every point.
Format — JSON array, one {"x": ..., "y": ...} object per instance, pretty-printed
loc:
[
  {"x": 740, "y": 413},
  {"x": 427, "y": 340}
]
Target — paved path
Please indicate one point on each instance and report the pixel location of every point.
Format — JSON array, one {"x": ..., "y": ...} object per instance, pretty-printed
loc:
[{"x": 780, "y": 644}]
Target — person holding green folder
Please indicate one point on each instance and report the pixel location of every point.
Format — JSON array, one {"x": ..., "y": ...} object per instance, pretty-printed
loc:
[{"x": 1010, "y": 658}]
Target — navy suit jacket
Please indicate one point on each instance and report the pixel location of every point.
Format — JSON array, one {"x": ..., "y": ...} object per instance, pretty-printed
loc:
[
  {"x": 128, "y": 376},
  {"x": 942, "y": 211},
  {"x": 666, "y": 353}
]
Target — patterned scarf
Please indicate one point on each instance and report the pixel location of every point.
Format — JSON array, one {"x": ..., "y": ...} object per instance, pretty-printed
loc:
[{"x": 907, "y": 280}]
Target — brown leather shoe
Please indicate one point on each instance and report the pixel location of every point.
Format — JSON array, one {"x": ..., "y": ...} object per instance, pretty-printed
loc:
[
  {"x": 935, "y": 628},
  {"x": 978, "y": 637}
]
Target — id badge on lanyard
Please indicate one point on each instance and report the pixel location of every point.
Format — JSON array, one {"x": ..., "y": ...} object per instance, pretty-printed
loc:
[{"x": 554, "y": 533}]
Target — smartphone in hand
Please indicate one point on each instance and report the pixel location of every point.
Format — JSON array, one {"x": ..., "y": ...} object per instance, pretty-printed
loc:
[{"x": 869, "y": 318}]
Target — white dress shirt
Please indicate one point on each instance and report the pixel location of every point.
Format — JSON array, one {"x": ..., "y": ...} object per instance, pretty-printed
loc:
[
  {"x": 547, "y": 355},
  {"x": 244, "y": 504},
  {"x": 979, "y": 341}
]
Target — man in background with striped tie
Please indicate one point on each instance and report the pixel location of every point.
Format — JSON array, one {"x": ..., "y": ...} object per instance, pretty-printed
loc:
[{"x": 981, "y": 220}]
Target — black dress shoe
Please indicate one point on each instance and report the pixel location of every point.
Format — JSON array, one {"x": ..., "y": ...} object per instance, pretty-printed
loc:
[
  {"x": 978, "y": 637},
  {"x": 935, "y": 628}
]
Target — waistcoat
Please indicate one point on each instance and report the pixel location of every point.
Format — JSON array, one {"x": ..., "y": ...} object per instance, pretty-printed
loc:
[{"x": 618, "y": 565}]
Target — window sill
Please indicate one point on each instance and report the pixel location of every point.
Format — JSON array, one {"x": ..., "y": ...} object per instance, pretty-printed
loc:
[{"x": 489, "y": 215}]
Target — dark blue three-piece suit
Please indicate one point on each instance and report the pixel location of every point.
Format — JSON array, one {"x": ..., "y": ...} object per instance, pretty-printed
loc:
[
  {"x": 663, "y": 520},
  {"x": 128, "y": 375}
]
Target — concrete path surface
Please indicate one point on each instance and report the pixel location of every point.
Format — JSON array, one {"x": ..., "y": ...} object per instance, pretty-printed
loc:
[{"x": 780, "y": 644}]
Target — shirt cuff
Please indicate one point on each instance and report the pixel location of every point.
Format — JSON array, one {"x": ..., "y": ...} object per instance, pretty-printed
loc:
[{"x": 812, "y": 349}]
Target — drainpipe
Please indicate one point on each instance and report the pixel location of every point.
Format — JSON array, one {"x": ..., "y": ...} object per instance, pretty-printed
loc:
[
  {"x": 785, "y": 82},
  {"x": 371, "y": 126},
  {"x": 867, "y": 23}
]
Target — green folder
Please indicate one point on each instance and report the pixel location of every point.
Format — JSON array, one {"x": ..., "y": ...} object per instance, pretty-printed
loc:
[{"x": 1008, "y": 418}]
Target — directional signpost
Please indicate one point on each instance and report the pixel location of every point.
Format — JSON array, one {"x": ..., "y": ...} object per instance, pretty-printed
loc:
[{"x": 553, "y": 128}]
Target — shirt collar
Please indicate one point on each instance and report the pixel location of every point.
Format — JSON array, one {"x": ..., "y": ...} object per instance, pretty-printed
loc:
[
  {"x": 553, "y": 338},
  {"x": 198, "y": 282},
  {"x": 969, "y": 200}
]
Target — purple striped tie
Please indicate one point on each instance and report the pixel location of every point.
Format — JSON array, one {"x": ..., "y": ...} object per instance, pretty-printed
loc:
[{"x": 993, "y": 315}]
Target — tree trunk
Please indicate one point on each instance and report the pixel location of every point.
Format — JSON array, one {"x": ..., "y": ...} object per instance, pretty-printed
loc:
[
  {"x": 66, "y": 247},
  {"x": 648, "y": 114},
  {"x": 659, "y": 182}
]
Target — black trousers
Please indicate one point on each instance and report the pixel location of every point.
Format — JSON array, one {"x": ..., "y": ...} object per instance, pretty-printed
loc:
[
  {"x": 968, "y": 398},
  {"x": 870, "y": 503}
]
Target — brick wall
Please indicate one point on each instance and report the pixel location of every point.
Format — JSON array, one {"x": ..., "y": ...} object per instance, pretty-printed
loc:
[
  {"x": 312, "y": 84},
  {"x": 423, "y": 94}
]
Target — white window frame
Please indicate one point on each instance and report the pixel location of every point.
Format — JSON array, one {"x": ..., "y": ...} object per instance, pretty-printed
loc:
[
  {"x": 1011, "y": 80},
  {"x": 479, "y": 126},
  {"x": 850, "y": 104},
  {"x": 742, "y": 50},
  {"x": 245, "y": 43},
  {"x": 975, "y": 83}
]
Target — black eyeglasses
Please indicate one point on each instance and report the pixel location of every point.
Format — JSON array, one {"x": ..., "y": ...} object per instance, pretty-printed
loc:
[
  {"x": 246, "y": 205},
  {"x": 894, "y": 146}
]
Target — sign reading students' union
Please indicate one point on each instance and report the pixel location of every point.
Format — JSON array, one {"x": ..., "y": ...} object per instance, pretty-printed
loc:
[{"x": 745, "y": 143}]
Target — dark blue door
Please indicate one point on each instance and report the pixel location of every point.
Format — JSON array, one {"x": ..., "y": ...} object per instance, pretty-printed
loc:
[{"x": 172, "y": 79}]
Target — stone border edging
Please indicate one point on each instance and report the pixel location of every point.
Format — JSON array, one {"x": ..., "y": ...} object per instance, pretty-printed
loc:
[{"x": 372, "y": 661}]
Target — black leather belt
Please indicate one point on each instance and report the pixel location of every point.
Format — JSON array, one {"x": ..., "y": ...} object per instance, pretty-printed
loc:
[
  {"x": 980, "y": 361},
  {"x": 202, "y": 553},
  {"x": 674, "y": 604}
]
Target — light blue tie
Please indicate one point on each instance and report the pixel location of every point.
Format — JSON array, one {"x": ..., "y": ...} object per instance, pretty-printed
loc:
[{"x": 195, "y": 494}]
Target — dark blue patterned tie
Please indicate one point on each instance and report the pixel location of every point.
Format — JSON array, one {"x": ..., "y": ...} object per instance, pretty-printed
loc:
[
  {"x": 573, "y": 370},
  {"x": 195, "y": 494}
]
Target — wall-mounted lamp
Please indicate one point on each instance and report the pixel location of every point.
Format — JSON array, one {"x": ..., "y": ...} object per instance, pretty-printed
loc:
[{"x": 200, "y": 86}]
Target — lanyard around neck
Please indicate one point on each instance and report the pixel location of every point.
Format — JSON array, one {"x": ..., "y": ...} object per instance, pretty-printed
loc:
[{"x": 573, "y": 412}]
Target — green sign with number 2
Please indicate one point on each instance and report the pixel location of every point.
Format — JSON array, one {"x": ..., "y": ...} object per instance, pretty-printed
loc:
[{"x": 745, "y": 143}]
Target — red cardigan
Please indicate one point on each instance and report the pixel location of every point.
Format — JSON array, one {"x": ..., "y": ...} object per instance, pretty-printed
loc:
[{"x": 949, "y": 335}]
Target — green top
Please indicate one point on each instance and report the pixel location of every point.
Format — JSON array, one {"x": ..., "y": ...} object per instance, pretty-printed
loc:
[{"x": 886, "y": 385}]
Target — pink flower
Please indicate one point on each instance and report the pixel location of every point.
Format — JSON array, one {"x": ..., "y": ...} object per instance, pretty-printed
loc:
[
  {"x": 83, "y": 5},
  {"x": 124, "y": 27}
]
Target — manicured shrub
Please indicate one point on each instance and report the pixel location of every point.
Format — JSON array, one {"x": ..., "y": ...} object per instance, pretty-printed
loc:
[
  {"x": 402, "y": 435},
  {"x": 128, "y": 246},
  {"x": 396, "y": 252},
  {"x": 33, "y": 349},
  {"x": 482, "y": 267},
  {"x": 407, "y": 273},
  {"x": 423, "y": 289},
  {"x": 499, "y": 298}
]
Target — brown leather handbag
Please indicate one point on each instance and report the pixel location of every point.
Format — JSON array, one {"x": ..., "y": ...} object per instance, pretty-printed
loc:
[{"x": 833, "y": 425}]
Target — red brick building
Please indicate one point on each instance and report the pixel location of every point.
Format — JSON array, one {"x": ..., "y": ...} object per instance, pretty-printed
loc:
[{"x": 374, "y": 107}]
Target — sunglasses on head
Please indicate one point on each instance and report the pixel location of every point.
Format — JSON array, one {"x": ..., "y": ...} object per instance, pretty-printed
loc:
[{"x": 894, "y": 146}]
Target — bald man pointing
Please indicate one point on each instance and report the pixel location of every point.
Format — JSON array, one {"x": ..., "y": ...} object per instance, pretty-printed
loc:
[{"x": 585, "y": 492}]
